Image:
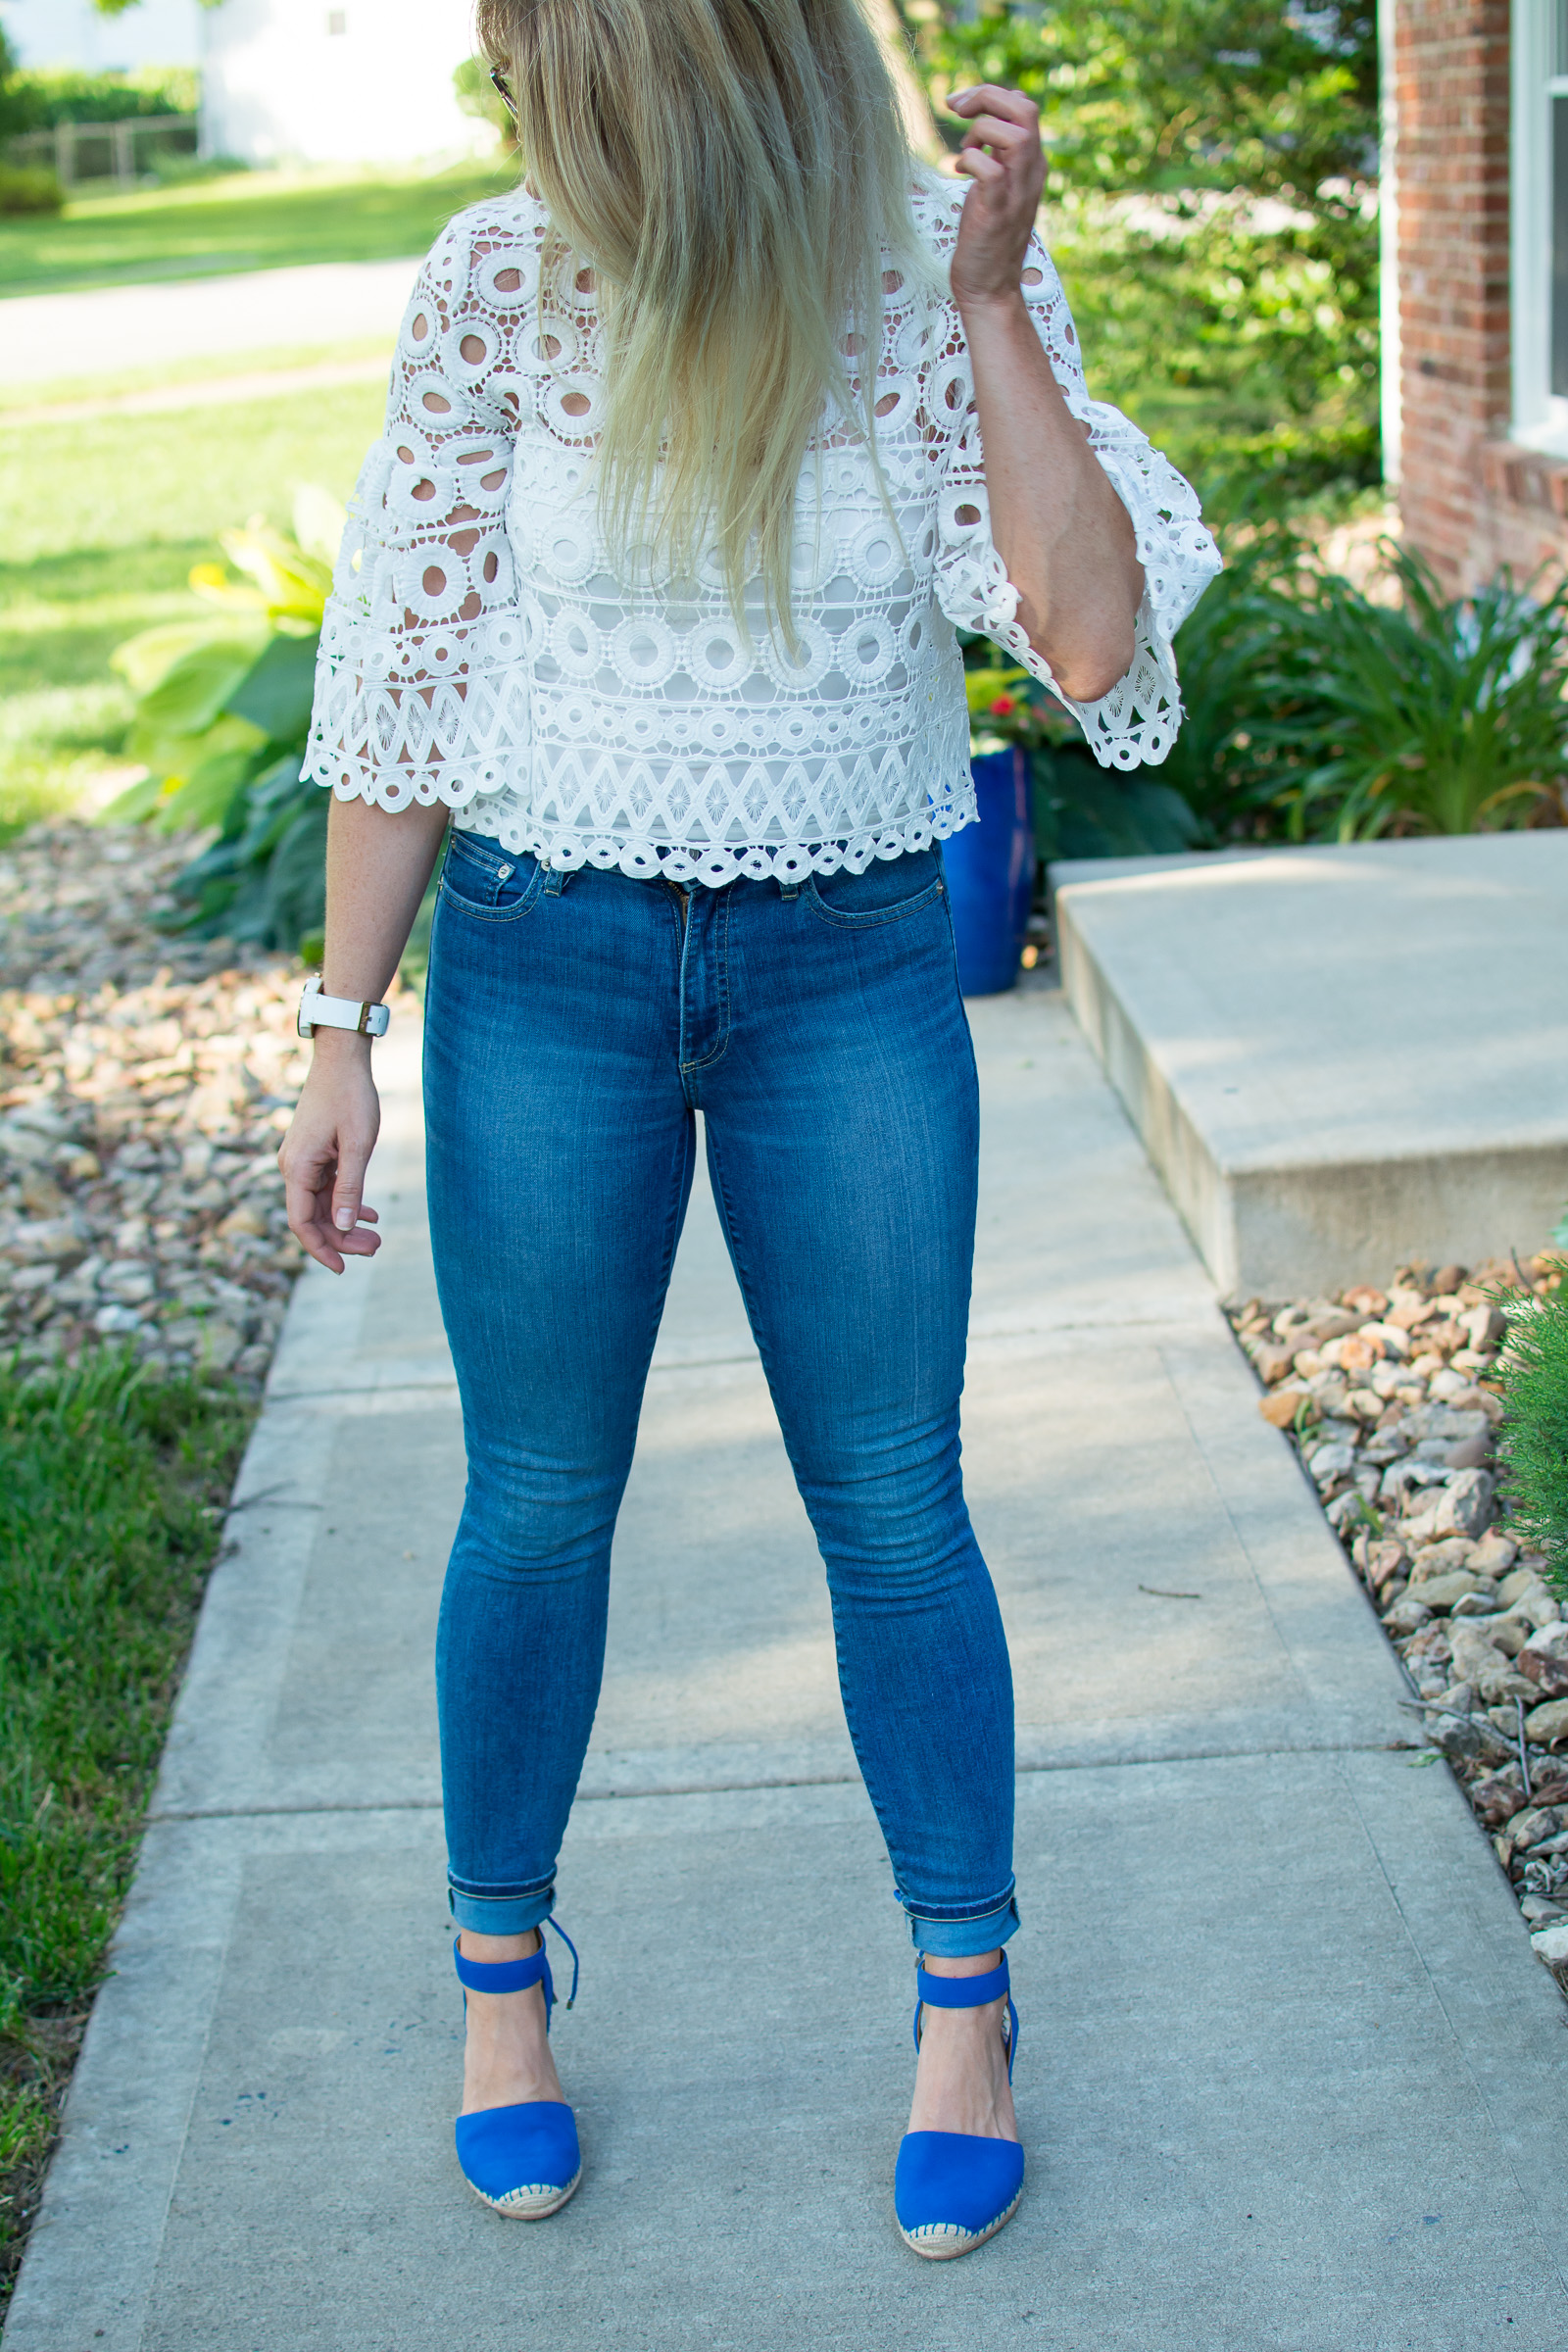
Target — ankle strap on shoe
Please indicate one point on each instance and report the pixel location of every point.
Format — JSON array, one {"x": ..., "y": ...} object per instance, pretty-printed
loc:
[
  {"x": 962, "y": 1992},
  {"x": 503, "y": 1975},
  {"x": 515, "y": 1976}
]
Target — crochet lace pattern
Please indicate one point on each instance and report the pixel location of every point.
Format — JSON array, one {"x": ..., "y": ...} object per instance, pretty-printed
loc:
[{"x": 479, "y": 647}]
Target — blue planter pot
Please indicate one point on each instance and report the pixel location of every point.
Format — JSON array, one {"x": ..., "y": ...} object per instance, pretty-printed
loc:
[{"x": 991, "y": 876}]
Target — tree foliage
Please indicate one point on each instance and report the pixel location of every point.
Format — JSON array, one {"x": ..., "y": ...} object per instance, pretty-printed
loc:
[
  {"x": 118, "y": 8},
  {"x": 1211, "y": 172},
  {"x": 16, "y": 105}
]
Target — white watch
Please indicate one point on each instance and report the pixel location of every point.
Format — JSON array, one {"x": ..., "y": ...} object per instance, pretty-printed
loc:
[{"x": 338, "y": 1013}]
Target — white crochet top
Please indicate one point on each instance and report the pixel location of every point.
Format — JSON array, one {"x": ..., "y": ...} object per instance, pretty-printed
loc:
[{"x": 480, "y": 649}]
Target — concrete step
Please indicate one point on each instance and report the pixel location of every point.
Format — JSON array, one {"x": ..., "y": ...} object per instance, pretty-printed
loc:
[{"x": 1338, "y": 1058}]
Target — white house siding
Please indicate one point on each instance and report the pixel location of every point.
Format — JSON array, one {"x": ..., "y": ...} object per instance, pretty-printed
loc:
[
  {"x": 368, "y": 81},
  {"x": 73, "y": 32}
]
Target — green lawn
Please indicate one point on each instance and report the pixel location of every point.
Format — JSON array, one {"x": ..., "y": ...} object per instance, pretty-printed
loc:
[
  {"x": 254, "y": 220},
  {"x": 111, "y": 1488},
  {"x": 102, "y": 521}
]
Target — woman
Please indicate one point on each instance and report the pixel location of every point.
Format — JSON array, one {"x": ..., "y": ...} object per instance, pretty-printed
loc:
[{"x": 700, "y": 444}]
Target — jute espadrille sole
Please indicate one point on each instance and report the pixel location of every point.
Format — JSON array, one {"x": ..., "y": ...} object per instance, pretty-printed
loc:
[
  {"x": 528, "y": 2204},
  {"x": 944, "y": 2241}
]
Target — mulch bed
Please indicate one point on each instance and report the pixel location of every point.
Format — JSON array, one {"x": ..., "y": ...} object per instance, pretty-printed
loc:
[{"x": 144, "y": 1081}]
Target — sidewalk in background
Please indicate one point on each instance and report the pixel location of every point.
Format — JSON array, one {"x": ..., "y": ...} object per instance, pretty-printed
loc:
[
  {"x": 1289, "y": 2073},
  {"x": 46, "y": 338}
]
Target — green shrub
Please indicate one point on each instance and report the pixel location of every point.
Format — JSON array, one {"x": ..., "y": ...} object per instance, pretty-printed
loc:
[
  {"x": 1533, "y": 1442},
  {"x": 62, "y": 95},
  {"x": 1210, "y": 173},
  {"x": 1315, "y": 712},
  {"x": 1249, "y": 353},
  {"x": 1436, "y": 714},
  {"x": 1226, "y": 651},
  {"x": 22, "y": 191}
]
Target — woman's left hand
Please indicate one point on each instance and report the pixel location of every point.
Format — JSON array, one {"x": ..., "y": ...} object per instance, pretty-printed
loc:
[{"x": 1001, "y": 154}]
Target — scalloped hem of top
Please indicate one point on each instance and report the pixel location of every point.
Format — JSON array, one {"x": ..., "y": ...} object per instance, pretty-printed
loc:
[
  {"x": 680, "y": 861},
  {"x": 674, "y": 861}
]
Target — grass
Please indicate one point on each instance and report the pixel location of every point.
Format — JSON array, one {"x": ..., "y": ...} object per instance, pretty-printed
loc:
[
  {"x": 103, "y": 520},
  {"x": 110, "y": 1486},
  {"x": 254, "y": 220}
]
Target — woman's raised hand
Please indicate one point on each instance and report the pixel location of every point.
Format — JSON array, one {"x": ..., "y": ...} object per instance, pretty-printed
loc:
[
  {"x": 1001, "y": 154},
  {"x": 327, "y": 1149}
]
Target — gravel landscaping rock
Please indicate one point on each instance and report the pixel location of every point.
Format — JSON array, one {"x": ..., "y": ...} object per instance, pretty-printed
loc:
[
  {"x": 1386, "y": 1398},
  {"x": 144, "y": 1084}
]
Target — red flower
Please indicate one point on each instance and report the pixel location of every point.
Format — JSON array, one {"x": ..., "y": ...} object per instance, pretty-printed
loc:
[{"x": 1003, "y": 707}]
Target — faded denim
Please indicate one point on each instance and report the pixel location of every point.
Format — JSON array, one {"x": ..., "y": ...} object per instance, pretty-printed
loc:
[{"x": 573, "y": 1024}]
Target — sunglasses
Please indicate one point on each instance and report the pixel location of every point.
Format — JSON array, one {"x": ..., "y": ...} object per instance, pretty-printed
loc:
[{"x": 507, "y": 99}]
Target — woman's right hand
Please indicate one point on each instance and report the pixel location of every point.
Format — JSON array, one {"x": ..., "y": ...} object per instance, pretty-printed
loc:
[{"x": 327, "y": 1149}]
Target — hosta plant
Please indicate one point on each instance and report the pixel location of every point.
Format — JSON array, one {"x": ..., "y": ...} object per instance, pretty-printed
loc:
[{"x": 222, "y": 713}]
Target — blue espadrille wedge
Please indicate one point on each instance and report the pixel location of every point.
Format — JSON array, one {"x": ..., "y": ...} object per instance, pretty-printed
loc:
[
  {"x": 521, "y": 2160},
  {"x": 952, "y": 2190}
]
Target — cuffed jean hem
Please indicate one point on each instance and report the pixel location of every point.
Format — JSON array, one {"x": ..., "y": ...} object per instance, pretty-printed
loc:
[
  {"x": 964, "y": 1939},
  {"x": 505, "y": 1914}
]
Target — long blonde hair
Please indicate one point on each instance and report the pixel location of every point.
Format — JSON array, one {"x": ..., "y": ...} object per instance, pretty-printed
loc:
[{"x": 733, "y": 170}]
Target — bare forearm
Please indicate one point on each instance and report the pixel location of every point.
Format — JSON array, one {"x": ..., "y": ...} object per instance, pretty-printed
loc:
[
  {"x": 377, "y": 864},
  {"x": 1063, "y": 534},
  {"x": 1059, "y": 526}
]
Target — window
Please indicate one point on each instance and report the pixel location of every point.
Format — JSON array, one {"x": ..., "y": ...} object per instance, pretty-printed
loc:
[{"x": 1539, "y": 204}]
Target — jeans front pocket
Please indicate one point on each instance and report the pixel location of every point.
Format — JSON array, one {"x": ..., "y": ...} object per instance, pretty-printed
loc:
[
  {"x": 480, "y": 879},
  {"x": 889, "y": 889}
]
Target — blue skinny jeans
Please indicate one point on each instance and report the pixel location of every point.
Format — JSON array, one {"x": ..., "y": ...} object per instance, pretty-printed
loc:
[{"x": 573, "y": 1023}]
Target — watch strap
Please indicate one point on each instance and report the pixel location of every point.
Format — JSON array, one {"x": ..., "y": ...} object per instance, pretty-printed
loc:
[{"x": 339, "y": 1012}]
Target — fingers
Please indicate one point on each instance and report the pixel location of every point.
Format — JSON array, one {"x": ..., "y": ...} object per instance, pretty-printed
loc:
[
  {"x": 317, "y": 1198},
  {"x": 1010, "y": 105},
  {"x": 975, "y": 163},
  {"x": 324, "y": 1159},
  {"x": 1001, "y": 145},
  {"x": 353, "y": 1158},
  {"x": 313, "y": 1227},
  {"x": 994, "y": 131},
  {"x": 1003, "y": 120}
]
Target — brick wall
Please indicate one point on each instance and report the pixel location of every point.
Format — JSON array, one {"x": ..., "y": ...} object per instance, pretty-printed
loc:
[{"x": 1469, "y": 499}]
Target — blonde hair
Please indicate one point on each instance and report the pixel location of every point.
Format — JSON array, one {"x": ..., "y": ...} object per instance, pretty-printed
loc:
[{"x": 733, "y": 172}]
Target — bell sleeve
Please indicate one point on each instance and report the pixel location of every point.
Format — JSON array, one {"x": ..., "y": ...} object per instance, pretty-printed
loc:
[
  {"x": 1135, "y": 723},
  {"x": 421, "y": 683}
]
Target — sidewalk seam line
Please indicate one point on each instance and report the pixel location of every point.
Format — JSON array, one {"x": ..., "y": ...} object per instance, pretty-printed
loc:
[{"x": 816, "y": 1779}]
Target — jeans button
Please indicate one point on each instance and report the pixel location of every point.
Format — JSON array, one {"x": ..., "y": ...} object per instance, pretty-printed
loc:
[{"x": 503, "y": 872}]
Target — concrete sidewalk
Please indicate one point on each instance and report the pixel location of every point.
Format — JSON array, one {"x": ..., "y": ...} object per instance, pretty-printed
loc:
[
  {"x": 1290, "y": 2076},
  {"x": 49, "y": 337}
]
